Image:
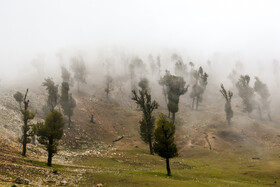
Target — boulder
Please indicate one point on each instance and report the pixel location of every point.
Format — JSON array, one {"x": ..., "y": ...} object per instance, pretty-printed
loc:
[
  {"x": 22, "y": 181},
  {"x": 63, "y": 183}
]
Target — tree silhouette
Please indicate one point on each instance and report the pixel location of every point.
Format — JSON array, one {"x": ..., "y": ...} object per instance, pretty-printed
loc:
[
  {"x": 144, "y": 84},
  {"x": 26, "y": 128},
  {"x": 175, "y": 88},
  {"x": 227, "y": 95},
  {"x": 108, "y": 88},
  {"x": 147, "y": 124},
  {"x": 200, "y": 83},
  {"x": 136, "y": 67},
  {"x": 67, "y": 102},
  {"x": 262, "y": 90},
  {"x": 19, "y": 98},
  {"x": 79, "y": 68},
  {"x": 66, "y": 75},
  {"x": 52, "y": 93},
  {"x": 246, "y": 93}
]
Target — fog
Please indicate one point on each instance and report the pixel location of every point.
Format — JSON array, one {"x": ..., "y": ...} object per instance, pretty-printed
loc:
[{"x": 223, "y": 32}]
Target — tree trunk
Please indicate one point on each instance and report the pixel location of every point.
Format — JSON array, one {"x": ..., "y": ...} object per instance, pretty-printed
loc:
[
  {"x": 50, "y": 159},
  {"x": 197, "y": 103},
  {"x": 150, "y": 145},
  {"x": 69, "y": 121},
  {"x": 173, "y": 118},
  {"x": 269, "y": 117},
  {"x": 193, "y": 103},
  {"x": 24, "y": 142},
  {"x": 168, "y": 167},
  {"x": 168, "y": 113},
  {"x": 260, "y": 112},
  {"x": 78, "y": 86},
  {"x": 228, "y": 121},
  {"x": 50, "y": 152},
  {"x": 91, "y": 119}
]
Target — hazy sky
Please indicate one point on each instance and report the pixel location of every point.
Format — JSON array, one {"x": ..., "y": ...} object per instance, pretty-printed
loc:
[{"x": 29, "y": 27}]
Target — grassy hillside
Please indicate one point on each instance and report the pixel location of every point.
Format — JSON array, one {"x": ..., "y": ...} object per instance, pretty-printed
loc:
[{"x": 211, "y": 153}]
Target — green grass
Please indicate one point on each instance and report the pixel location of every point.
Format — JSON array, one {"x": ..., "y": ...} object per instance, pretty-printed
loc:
[
  {"x": 44, "y": 164},
  {"x": 137, "y": 168}
]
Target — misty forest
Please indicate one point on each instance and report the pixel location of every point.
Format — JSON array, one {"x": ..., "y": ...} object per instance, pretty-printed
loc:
[{"x": 144, "y": 93}]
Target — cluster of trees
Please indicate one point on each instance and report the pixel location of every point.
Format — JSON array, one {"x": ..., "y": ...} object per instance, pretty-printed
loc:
[
  {"x": 158, "y": 134},
  {"x": 161, "y": 139},
  {"x": 65, "y": 99},
  {"x": 48, "y": 132},
  {"x": 78, "y": 67},
  {"x": 247, "y": 94},
  {"x": 199, "y": 86}
]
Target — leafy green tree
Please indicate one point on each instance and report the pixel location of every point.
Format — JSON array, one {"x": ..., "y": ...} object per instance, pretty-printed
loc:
[
  {"x": 19, "y": 98},
  {"x": 67, "y": 102},
  {"x": 227, "y": 95},
  {"x": 52, "y": 93},
  {"x": 175, "y": 88},
  {"x": 246, "y": 93},
  {"x": 79, "y": 68},
  {"x": 262, "y": 90},
  {"x": 26, "y": 128},
  {"x": 199, "y": 86},
  {"x": 147, "y": 124},
  {"x": 50, "y": 132},
  {"x": 164, "y": 144}
]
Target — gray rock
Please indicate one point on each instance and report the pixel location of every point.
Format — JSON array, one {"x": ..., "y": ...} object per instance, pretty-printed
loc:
[{"x": 22, "y": 181}]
